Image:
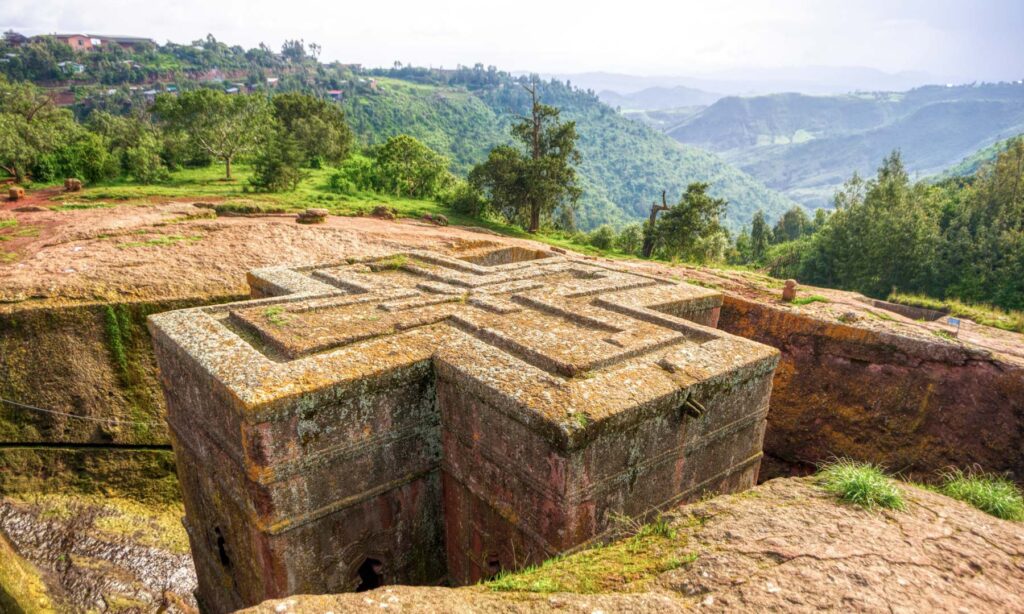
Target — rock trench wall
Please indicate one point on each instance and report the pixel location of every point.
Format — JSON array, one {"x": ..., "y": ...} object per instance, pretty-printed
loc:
[
  {"x": 94, "y": 361},
  {"x": 838, "y": 391},
  {"x": 915, "y": 406}
]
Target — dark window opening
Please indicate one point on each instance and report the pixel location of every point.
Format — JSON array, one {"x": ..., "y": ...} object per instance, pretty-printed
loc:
[
  {"x": 225, "y": 560},
  {"x": 371, "y": 575},
  {"x": 493, "y": 566}
]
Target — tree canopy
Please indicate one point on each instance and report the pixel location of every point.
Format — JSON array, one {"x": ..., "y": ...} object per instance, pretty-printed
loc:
[{"x": 216, "y": 123}]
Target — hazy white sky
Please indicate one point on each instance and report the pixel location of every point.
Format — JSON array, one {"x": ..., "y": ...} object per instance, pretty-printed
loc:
[{"x": 980, "y": 39}]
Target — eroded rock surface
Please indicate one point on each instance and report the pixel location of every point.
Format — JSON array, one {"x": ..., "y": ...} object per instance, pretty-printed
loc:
[
  {"x": 93, "y": 558},
  {"x": 783, "y": 546}
]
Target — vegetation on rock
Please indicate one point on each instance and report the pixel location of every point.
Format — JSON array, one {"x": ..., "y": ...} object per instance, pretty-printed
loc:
[
  {"x": 861, "y": 484},
  {"x": 989, "y": 493}
]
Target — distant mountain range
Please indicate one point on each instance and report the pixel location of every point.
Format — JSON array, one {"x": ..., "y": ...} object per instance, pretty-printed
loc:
[
  {"x": 807, "y": 146},
  {"x": 815, "y": 80},
  {"x": 657, "y": 98}
]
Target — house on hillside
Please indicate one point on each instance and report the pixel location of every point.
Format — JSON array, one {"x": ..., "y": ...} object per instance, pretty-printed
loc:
[
  {"x": 15, "y": 39},
  {"x": 87, "y": 42},
  {"x": 71, "y": 68},
  {"x": 335, "y": 95},
  {"x": 78, "y": 42},
  {"x": 130, "y": 43}
]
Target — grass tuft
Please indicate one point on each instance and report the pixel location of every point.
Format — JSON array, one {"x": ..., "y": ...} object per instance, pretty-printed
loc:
[
  {"x": 807, "y": 300},
  {"x": 989, "y": 493},
  {"x": 861, "y": 484},
  {"x": 276, "y": 315}
]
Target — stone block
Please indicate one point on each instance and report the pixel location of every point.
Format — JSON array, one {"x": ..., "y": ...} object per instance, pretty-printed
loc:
[{"x": 421, "y": 418}]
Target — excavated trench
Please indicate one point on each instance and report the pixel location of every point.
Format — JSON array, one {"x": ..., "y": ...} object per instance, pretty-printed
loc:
[{"x": 913, "y": 406}]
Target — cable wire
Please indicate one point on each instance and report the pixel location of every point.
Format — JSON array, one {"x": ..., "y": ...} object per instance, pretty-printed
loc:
[{"x": 77, "y": 417}]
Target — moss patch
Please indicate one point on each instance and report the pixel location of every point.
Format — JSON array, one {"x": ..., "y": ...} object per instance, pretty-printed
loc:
[
  {"x": 21, "y": 585},
  {"x": 807, "y": 300},
  {"x": 156, "y": 524}
]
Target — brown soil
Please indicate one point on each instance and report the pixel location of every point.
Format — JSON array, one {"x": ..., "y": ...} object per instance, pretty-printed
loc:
[
  {"x": 173, "y": 250},
  {"x": 783, "y": 546}
]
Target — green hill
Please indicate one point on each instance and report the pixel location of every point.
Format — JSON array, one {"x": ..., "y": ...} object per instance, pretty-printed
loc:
[
  {"x": 806, "y": 146},
  {"x": 625, "y": 164}
]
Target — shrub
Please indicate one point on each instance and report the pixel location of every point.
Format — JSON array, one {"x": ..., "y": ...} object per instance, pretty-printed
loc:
[
  {"x": 631, "y": 239},
  {"x": 603, "y": 237},
  {"x": 356, "y": 174},
  {"x": 862, "y": 484},
  {"x": 463, "y": 198},
  {"x": 991, "y": 494}
]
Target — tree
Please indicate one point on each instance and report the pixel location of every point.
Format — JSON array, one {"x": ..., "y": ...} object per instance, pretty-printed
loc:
[
  {"x": 317, "y": 126},
  {"x": 759, "y": 235},
  {"x": 529, "y": 183},
  {"x": 982, "y": 258},
  {"x": 134, "y": 142},
  {"x": 884, "y": 234},
  {"x": 407, "y": 167},
  {"x": 294, "y": 50},
  {"x": 793, "y": 224},
  {"x": 223, "y": 126},
  {"x": 652, "y": 223},
  {"x": 276, "y": 167},
  {"x": 689, "y": 229},
  {"x": 31, "y": 127}
]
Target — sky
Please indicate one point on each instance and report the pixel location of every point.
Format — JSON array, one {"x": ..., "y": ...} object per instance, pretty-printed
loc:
[{"x": 949, "y": 39}]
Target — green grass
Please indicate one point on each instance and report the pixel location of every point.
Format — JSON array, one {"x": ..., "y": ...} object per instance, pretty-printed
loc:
[
  {"x": 276, "y": 315},
  {"x": 160, "y": 241},
  {"x": 988, "y": 315},
  {"x": 944, "y": 334},
  {"x": 807, "y": 300},
  {"x": 7, "y": 222},
  {"x": 881, "y": 315},
  {"x": 990, "y": 494},
  {"x": 861, "y": 484},
  {"x": 76, "y": 206},
  {"x": 392, "y": 263},
  {"x": 621, "y": 566}
]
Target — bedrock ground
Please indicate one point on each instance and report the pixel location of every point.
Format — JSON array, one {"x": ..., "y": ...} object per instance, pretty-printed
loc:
[{"x": 782, "y": 546}]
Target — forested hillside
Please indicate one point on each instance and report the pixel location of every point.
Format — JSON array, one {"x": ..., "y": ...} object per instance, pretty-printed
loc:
[
  {"x": 972, "y": 163},
  {"x": 805, "y": 146},
  {"x": 459, "y": 113},
  {"x": 625, "y": 165}
]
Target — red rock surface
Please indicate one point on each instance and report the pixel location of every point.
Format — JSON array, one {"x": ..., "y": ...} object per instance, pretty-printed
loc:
[{"x": 783, "y": 546}]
